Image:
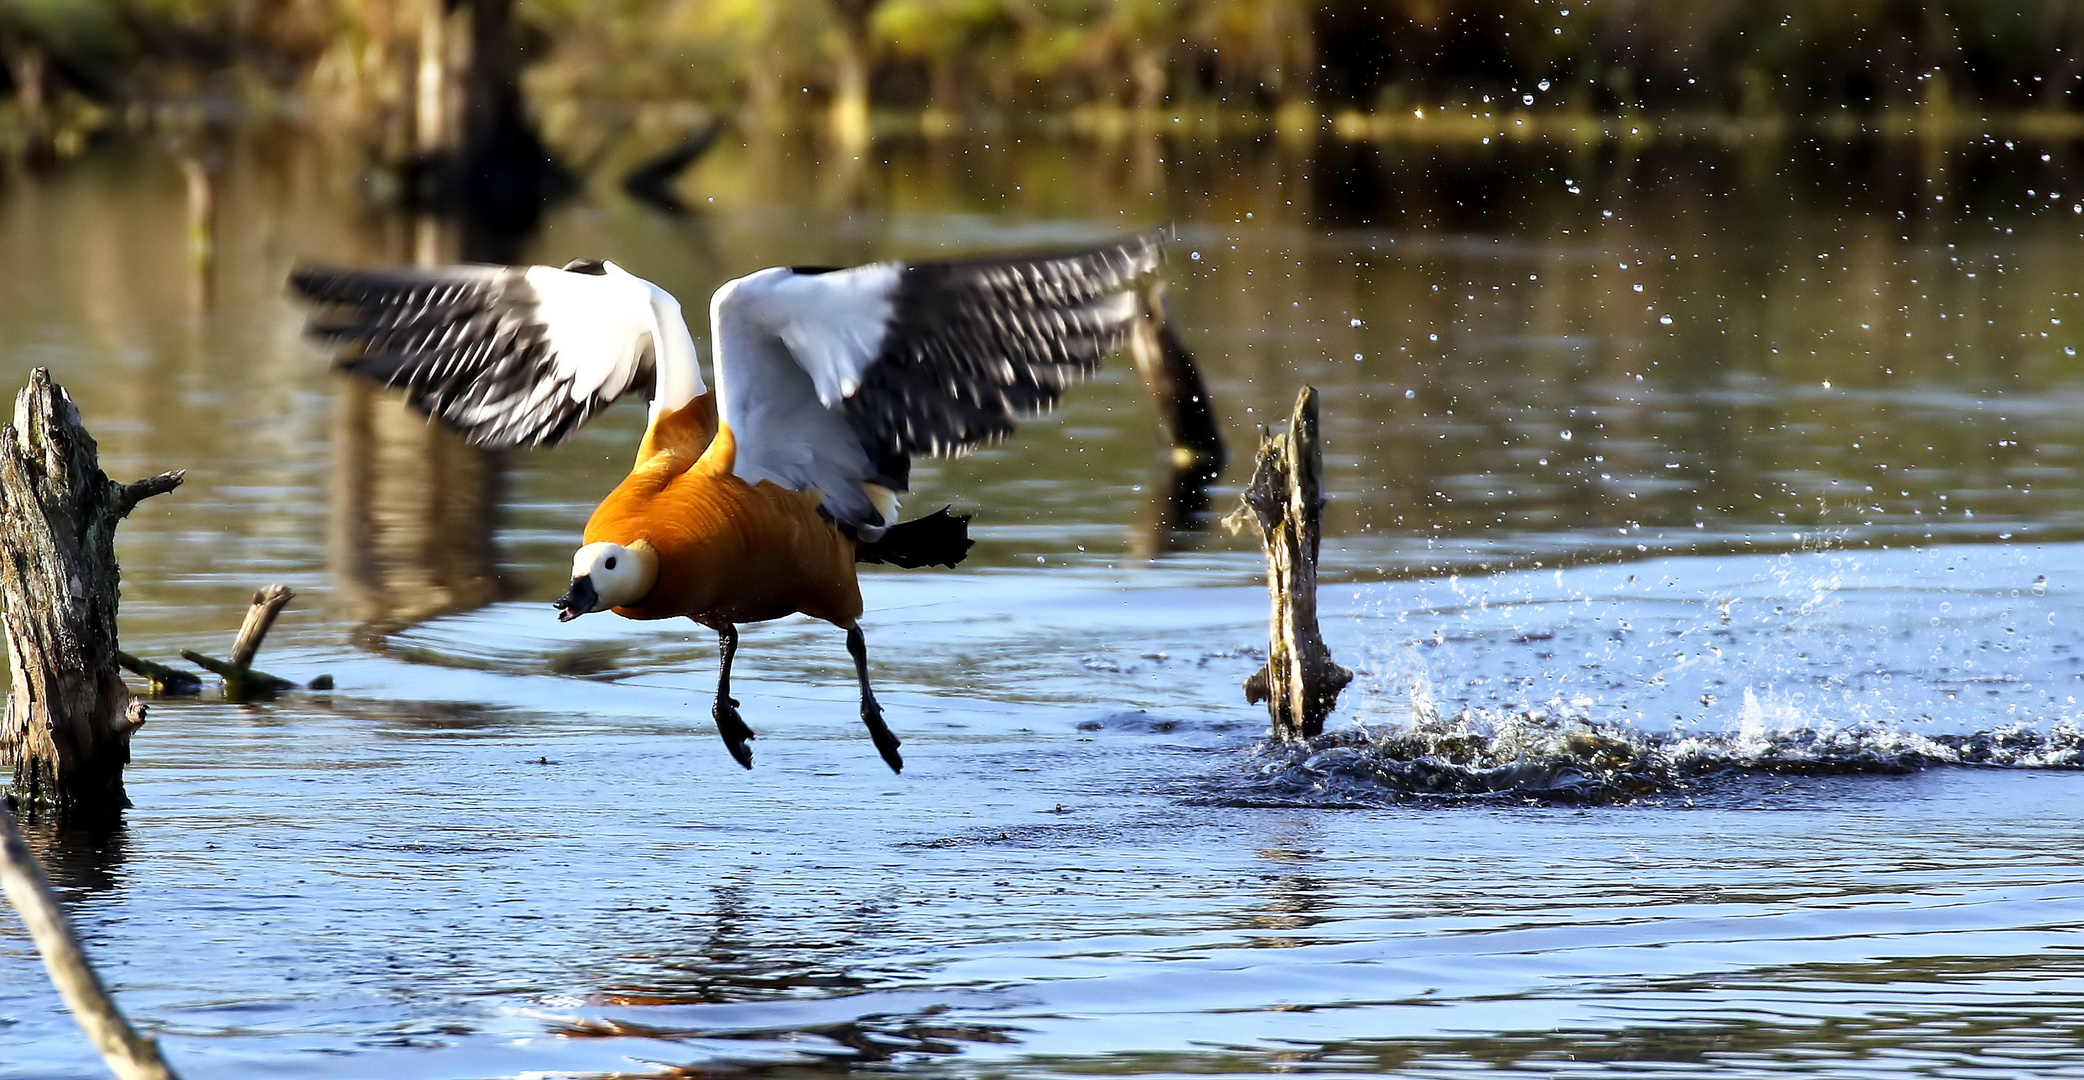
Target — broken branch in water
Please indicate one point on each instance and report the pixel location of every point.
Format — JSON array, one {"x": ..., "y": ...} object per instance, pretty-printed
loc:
[
  {"x": 1285, "y": 499},
  {"x": 165, "y": 681},
  {"x": 129, "y": 1055},
  {"x": 241, "y": 681}
]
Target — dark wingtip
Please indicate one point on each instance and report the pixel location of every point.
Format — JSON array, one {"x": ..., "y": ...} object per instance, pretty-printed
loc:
[{"x": 310, "y": 281}]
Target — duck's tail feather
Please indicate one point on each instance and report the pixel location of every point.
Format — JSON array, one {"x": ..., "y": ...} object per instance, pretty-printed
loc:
[{"x": 938, "y": 539}]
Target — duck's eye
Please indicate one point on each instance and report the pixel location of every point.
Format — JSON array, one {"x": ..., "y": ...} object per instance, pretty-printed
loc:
[{"x": 611, "y": 562}]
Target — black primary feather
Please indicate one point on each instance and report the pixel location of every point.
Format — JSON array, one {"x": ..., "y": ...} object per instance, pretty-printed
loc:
[
  {"x": 464, "y": 342},
  {"x": 972, "y": 345},
  {"x": 938, "y": 539}
]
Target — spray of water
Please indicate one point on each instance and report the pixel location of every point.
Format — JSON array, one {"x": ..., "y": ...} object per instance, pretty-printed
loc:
[{"x": 1556, "y": 753}]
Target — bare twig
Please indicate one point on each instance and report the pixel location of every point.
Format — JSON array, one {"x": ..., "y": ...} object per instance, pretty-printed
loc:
[
  {"x": 129, "y": 1055},
  {"x": 137, "y": 491}
]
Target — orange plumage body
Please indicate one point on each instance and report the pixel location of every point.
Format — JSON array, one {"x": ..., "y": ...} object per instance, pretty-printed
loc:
[{"x": 728, "y": 551}]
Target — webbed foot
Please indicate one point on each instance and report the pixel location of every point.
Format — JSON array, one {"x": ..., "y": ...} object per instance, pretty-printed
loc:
[{"x": 734, "y": 729}]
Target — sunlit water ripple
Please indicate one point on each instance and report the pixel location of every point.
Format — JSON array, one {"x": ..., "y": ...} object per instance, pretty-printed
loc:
[{"x": 1647, "y": 769}]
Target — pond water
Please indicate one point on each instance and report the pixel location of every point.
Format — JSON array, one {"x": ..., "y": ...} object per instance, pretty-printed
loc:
[{"x": 1692, "y": 504}]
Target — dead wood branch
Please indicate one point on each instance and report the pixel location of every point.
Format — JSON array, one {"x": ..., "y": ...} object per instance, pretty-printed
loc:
[
  {"x": 241, "y": 681},
  {"x": 165, "y": 680},
  {"x": 129, "y": 1055},
  {"x": 267, "y": 604},
  {"x": 1285, "y": 500}
]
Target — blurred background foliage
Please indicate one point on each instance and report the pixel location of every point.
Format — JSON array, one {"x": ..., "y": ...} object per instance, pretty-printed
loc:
[
  {"x": 1735, "y": 56},
  {"x": 384, "y": 73}
]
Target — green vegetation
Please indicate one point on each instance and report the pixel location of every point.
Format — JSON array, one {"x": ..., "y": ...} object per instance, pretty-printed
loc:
[{"x": 961, "y": 62}]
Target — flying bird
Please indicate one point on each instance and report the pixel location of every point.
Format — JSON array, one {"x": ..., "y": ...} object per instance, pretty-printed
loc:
[{"x": 757, "y": 501}]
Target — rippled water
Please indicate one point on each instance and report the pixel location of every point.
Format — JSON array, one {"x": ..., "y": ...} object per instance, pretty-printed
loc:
[{"x": 1627, "y": 598}]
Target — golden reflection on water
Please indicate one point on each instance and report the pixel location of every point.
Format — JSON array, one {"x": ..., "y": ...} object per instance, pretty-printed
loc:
[
  {"x": 412, "y": 514},
  {"x": 1867, "y": 343}
]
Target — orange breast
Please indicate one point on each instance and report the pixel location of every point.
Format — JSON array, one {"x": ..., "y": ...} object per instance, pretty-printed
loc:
[{"x": 728, "y": 551}]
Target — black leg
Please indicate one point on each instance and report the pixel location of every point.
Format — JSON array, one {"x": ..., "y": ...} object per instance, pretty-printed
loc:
[
  {"x": 872, "y": 713},
  {"x": 728, "y": 723}
]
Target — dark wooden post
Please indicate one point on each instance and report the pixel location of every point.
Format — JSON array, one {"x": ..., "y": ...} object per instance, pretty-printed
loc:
[
  {"x": 1300, "y": 682},
  {"x": 1196, "y": 455},
  {"x": 1175, "y": 381},
  {"x": 66, "y": 731}
]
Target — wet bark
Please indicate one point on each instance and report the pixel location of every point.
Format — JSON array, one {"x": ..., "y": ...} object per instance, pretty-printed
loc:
[
  {"x": 1300, "y": 683},
  {"x": 66, "y": 731}
]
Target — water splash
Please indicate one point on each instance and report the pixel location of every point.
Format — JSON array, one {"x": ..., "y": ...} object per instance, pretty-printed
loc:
[{"x": 1556, "y": 753}]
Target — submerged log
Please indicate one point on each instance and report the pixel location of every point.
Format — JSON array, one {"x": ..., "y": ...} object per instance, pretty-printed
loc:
[
  {"x": 129, "y": 1055},
  {"x": 164, "y": 680},
  {"x": 1285, "y": 499},
  {"x": 66, "y": 731}
]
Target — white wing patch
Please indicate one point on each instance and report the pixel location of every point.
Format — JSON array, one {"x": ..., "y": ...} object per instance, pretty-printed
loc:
[
  {"x": 789, "y": 348},
  {"x": 831, "y": 380},
  {"x": 832, "y": 323},
  {"x": 598, "y": 327}
]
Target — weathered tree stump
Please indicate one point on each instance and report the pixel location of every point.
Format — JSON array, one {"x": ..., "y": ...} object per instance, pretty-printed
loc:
[
  {"x": 1300, "y": 682},
  {"x": 66, "y": 731}
]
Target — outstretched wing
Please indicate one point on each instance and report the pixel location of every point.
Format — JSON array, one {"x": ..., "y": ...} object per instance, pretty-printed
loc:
[
  {"x": 831, "y": 380},
  {"x": 507, "y": 355}
]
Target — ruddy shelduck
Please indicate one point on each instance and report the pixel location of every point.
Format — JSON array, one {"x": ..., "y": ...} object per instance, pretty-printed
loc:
[{"x": 755, "y": 503}]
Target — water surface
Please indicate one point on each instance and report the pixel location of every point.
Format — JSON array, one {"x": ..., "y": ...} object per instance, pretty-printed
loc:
[{"x": 1831, "y": 502}]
